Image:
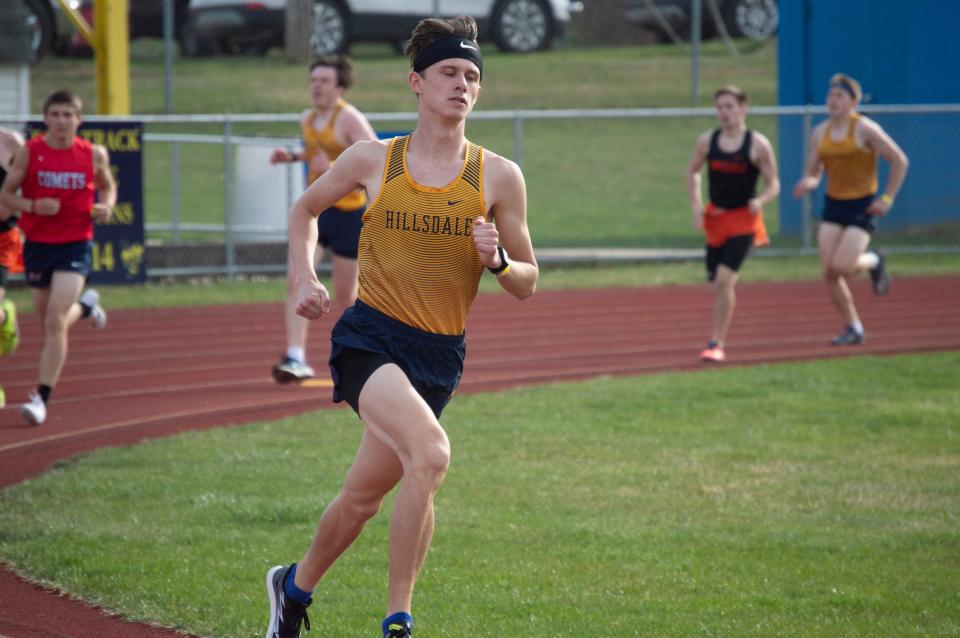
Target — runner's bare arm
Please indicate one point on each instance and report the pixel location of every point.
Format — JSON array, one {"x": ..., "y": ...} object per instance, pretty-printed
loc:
[
  {"x": 813, "y": 169},
  {"x": 15, "y": 176},
  {"x": 877, "y": 139},
  {"x": 357, "y": 128},
  {"x": 106, "y": 185},
  {"x": 508, "y": 206},
  {"x": 694, "y": 180},
  {"x": 359, "y": 165},
  {"x": 290, "y": 154},
  {"x": 766, "y": 161}
]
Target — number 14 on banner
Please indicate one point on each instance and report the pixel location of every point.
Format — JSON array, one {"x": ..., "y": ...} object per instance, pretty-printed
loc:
[{"x": 103, "y": 257}]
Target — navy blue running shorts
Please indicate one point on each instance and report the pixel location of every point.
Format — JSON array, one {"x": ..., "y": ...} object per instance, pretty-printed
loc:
[
  {"x": 40, "y": 261},
  {"x": 365, "y": 339},
  {"x": 339, "y": 230},
  {"x": 850, "y": 212}
]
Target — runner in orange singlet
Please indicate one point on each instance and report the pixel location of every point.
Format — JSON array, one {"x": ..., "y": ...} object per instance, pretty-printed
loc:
[{"x": 733, "y": 220}]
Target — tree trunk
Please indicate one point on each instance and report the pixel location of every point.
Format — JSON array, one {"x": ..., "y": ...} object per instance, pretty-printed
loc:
[{"x": 298, "y": 25}]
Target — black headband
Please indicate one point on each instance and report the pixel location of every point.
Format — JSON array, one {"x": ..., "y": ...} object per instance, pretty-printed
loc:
[
  {"x": 453, "y": 46},
  {"x": 844, "y": 85}
]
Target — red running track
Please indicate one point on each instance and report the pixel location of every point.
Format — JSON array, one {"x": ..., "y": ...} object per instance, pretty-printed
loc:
[{"x": 157, "y": 372}]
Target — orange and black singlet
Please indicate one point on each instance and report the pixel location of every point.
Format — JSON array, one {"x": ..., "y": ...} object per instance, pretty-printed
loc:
[
  {"x": 851, "y": 170},
  {"x": 733, "y": 176},
  {"x": 417, "y": 260},
  {"x": 315, "y": 140}
]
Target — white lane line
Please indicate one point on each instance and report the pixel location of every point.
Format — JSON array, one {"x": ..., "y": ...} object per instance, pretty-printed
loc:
[{"x": 145, "y": 421}]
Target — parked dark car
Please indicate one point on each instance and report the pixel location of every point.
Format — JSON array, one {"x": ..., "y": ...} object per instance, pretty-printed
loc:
[
  {"x": 146, "y": 17},
  {"x": 232, "y": 26},
  {"x": 49, "y": 28},
  {"x": 52, "y": 31},
  {"x": 754, "y": 19},
  {"x": 215, "y": 26}
]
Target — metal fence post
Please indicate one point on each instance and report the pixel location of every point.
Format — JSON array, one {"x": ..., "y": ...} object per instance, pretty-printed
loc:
[
  {"x": 229, "y": 212},
  {"x": 518, "y": 139},
  {"x": 175, "y": 191},
  {"x": 807, "y": 206},
  {"x": 289, "y": 184},
  {"x": 695, "y": 33},
  {"x": 168, "y": 18}
]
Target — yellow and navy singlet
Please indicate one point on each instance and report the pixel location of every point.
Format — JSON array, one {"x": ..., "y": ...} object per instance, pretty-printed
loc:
[
  {"x": 323, "y": 139},
  {"x": 417, "y": 260},
  {"x": 851, "y": 170}
]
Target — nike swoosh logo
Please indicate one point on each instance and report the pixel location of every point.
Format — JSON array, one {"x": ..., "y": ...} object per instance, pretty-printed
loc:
[
  {"x": 464, "y": 45},
  {"x": 450, "y": 202}
]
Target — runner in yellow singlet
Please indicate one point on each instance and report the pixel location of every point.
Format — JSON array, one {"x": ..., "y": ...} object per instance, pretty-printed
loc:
[
  {"x": 443, "y": 210},
  {"x": 846, "y": 146},
  {"x": 327, "y": 130}
]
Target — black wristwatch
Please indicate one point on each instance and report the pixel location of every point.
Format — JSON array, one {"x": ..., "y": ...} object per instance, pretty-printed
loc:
[{"x": 504, "y": 264}]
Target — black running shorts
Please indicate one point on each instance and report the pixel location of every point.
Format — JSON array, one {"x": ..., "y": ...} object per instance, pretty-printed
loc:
[{"x": 731, "y": 254}]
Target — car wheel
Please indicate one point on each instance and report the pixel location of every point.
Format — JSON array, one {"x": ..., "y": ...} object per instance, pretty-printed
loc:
[
  {"x": 754, "y": 19},
  {"x": 40, "y": 26},
  {"x": 523, "y": 26},
  {"x": 192, "y": 44},
  {"x": 330, "y": 28}
]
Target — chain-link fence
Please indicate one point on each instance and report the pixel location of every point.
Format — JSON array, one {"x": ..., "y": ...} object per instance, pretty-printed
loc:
[
  {"x": 611, "y": 178},
  {"x": 305, "y": 28}
]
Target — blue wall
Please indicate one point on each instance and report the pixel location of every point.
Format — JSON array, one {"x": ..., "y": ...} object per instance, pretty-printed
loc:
[{"x": 901, "y": 52}]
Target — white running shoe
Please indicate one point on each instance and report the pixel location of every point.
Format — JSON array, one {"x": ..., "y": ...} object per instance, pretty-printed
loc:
[
  {"x": 98, "y": 316},
  {"x": 292, "y": 371},
  {"x": 34, "y": 411}
]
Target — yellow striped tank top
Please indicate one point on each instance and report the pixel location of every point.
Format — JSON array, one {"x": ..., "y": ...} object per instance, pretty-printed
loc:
[
  {"x": 315, "y": 140},
  {"x": 851, "y": 170},
  {"x": 416, "y": 257}
]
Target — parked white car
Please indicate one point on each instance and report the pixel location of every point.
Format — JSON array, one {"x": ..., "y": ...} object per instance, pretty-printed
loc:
[{"x": 230, "y": 25}]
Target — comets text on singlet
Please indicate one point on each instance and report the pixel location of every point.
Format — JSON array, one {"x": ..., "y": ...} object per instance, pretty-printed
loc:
[{"x": 64, "y": 180}]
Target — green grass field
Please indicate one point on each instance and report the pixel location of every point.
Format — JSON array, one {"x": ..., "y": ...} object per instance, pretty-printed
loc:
[
  {"x": 599, "y": 77},
  {"x": 814, "y": 499}
]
